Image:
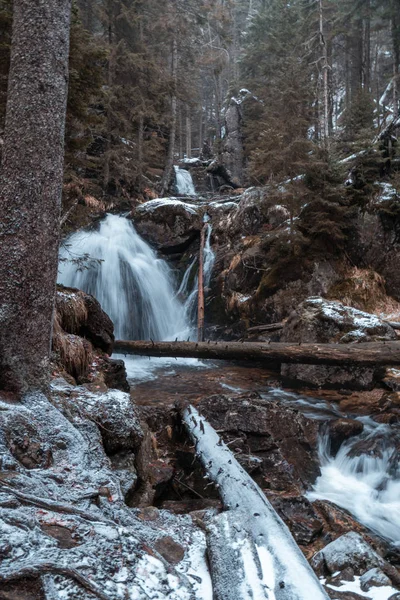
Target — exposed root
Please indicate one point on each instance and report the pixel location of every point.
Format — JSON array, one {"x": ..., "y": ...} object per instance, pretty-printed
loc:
[{"x": 41, "y": 568}]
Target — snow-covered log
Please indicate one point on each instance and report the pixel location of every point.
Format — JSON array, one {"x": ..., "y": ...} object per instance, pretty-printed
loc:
[{"x": 252, "y": 552}]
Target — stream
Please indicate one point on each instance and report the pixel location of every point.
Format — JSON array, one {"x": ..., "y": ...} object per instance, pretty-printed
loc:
[{"x": 147, "y": 300}]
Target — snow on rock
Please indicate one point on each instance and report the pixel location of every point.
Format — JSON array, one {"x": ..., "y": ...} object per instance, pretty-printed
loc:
[
  {"x": 252, "y": 553},
  {"x": 317, "y": 320},
  {"x": 153, "y": 205},
  {"x": 349, "y": 550},
  {"x": 113, "y": 411},
  {"x": 65, "y": 520},
  {"x": 387, "y": 192},
  {"x": 386, "y": 592}
]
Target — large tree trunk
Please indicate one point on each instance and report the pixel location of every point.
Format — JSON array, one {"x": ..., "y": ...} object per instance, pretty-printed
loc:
[
  {"x": 31, "y": 183},
  {"x": 366, "y": 354},
  {"x": 174, "y": 114}
]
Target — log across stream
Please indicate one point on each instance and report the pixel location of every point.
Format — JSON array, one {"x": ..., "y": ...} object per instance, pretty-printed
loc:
[{"x": 363, "y": 354}]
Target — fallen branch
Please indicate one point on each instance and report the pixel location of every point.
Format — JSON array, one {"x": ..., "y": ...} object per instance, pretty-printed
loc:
[
  {"x": 52, "y": 505},
  {"x": 365, "y": 354}
]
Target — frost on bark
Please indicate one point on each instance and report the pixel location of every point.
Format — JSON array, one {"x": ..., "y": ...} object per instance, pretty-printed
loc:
[{"x": 31, "y": 181}]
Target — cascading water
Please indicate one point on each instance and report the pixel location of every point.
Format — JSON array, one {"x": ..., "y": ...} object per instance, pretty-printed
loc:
[
  {"x": 364, "y": 478},
  {"x": 133, "y": 286},
  {"x": 184, "y": 182},
  {"x": 209, "y": 259}
]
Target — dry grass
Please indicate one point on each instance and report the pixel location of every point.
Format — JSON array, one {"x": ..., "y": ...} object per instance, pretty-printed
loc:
[
  {"x": 74, "y": 354},
  {"x": 71, "y": 311},
  {"x": 365, "y": 289}
]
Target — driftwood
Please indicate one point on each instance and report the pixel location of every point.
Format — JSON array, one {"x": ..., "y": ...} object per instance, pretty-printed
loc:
[
  {"x": 364, "y": 354},
  {"x": 251, "y": 551}
]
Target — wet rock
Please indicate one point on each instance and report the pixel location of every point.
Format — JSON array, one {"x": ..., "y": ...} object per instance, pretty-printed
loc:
[
  {"x": 341, "y": 430},
  {"x": 168, "y": 223},
  {"x": 284, "y": 440},
  {"x": 374, "y": 578},
  {"x": 392, "y": 379},
  {"x": 299, "y": 515},
  {"x": 320, "y": 321},
  {"x": 349, "y": 550},
  {"x": 170, "y": 550},
  {"x": 115, "y": 376}
]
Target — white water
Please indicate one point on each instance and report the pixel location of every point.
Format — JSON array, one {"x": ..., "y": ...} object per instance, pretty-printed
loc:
[
  {"x": 209, "y": 259},
  {"x": 134, "y": 287},
  {"x": 184, "y": 182},
  {"x": 366, "y": 484}
]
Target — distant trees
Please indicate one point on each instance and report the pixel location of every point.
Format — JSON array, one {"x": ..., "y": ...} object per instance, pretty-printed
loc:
[{"x": 30, "y": 191}]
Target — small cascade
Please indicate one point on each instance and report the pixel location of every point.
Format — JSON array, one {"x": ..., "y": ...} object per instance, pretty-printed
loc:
[
  {"x": 133, "y": 286},
  {"x": 184, "y": 182},
  {"x": 209, "y": 259},
  {"x": 364, "y": 478}
]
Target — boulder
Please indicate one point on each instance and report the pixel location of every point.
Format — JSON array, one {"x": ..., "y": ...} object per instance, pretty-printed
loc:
[
  {"x": 374, "y": 578},
  {"x": 282, "y": 439},
  {"x": 168, "y": 223},
  {"x": 349, "y": 550},
  {"x": 320, "y": 321},
  {"x": 112, "y": 411},
  {"x": 341, "y": 430}
]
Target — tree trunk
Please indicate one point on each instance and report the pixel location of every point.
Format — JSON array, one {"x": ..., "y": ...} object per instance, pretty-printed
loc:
[
  {"x": 188, "y": 134},
  {"x": 31, "y": 184},
  {"x": 365, "y": 354},
  {"x": 174, "y": 114},
  {"x": 200, "y": 303}
]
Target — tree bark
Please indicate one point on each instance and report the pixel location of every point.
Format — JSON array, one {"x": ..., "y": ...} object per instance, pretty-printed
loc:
[
  {"x": 365, "y": 354},
  {"x": 31, "y": 184},
  {"x": 200, "y": 301},
  {"x": 174, "y": 115}
]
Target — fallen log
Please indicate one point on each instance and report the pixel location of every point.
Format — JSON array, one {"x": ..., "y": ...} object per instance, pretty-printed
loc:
[
  {"x": 364, "y": 354},
  {"x": 252, "y": 553}
]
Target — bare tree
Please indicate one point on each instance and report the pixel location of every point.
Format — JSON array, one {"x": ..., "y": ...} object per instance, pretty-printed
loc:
[{"x": 31, "y": 183}]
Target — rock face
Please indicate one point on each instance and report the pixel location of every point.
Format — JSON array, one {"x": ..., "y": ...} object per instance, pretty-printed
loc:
[
  {"x": 168, "y": 223},
  {"x": 318, "y": 320}
]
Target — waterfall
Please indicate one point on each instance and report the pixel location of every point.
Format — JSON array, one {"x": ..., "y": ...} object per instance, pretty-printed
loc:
[
  {"x": 133, "y": 286},
  {"x": 364, "y": 478},
  {"x": 184, "y": 182}
]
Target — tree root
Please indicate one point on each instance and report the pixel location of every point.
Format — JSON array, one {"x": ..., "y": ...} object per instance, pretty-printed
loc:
[
  {"x": 52, "y": 505},
  {"x": 41, "y": 568}
]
